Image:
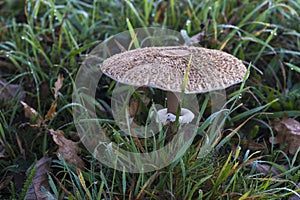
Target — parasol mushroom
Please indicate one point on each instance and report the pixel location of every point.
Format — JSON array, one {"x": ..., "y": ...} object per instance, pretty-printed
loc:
[{"x": 165, "y": 68}]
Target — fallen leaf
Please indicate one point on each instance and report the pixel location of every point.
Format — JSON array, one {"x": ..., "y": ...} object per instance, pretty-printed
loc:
[
  {"x": 67, "y": 148},
  {"x": 52, "y": 111},
  {"x": 288, "y": 134},
  {"x": 32, "y": 114},
  {"x": 58, "y": 84},
  {"x": 39, "y": 180},
  {"x": 10, "y": 91}
]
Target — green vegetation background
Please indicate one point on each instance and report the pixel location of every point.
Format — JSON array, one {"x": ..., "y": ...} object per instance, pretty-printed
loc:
[{"x": 41, "y": 38}]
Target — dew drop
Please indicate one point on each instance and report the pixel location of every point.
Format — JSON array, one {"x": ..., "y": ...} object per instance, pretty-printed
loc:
[
  {"x": 22, "y": 37},
  {"x": 188, "y": 22}
]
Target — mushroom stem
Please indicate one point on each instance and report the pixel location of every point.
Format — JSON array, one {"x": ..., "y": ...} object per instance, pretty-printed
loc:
[
  {"x": 172, "y": 103},
  {"x": 170, "y": 113}
]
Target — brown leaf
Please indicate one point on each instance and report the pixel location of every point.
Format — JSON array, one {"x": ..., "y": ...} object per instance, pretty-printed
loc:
[
  {"x": 52, "y": 111},
  {"x": 288, "y": 133},
  {"x": 40, "y": 179},
  {"x": 58, "y": 84},
  {"x": 9, "y": 91},
  {"x": 32, "y": 114},
  {"x": 67, "y": 148}
]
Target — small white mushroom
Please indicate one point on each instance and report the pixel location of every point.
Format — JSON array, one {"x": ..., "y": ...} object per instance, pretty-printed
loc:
[{"x": 186, "y": 116}]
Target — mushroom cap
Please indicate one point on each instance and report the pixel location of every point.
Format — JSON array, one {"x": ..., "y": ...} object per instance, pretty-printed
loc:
[{"x": 165, "y": 67}]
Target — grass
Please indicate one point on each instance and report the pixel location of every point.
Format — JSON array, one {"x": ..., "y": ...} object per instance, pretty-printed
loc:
[{"x": 40, "y": 39}]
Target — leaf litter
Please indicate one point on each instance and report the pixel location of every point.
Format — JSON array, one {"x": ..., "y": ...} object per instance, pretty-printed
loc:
[
  {"x": 58, "y": 84},
  {"x": 68, "y": 149},
  {"x": 10, "y": 91},
  {"x": 39, "y": 180},
  {"x": 288, "y": 134},
  {"x": 32, "y": 114}
]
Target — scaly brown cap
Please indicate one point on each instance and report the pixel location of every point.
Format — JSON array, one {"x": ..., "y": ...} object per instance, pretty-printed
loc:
[{"x": 165, "y": 68}]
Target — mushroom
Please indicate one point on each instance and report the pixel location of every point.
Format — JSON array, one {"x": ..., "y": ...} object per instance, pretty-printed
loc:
[{"x": 165, "y": 68}]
